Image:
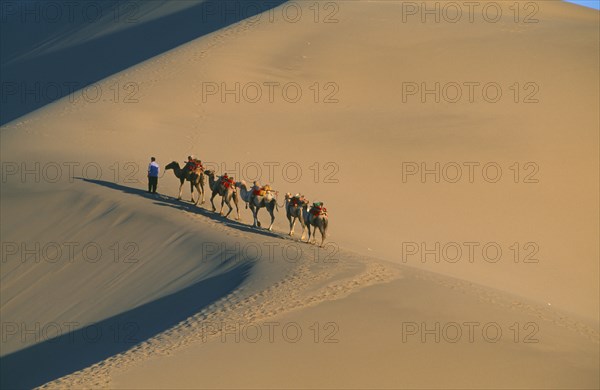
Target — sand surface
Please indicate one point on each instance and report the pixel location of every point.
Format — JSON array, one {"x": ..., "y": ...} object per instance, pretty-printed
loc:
[{"x": 458, "y": 211}]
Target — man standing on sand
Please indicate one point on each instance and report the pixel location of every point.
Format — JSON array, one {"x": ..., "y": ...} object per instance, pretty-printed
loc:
[{"x": 153, "y": 170}]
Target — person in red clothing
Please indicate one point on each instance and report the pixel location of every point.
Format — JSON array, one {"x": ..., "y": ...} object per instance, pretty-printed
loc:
[
  {"x": 190, "y": 165},
  {"x": 227, "y": 181}
]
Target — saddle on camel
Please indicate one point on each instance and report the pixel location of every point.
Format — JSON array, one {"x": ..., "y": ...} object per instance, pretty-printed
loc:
[
  {"x": 193, "y": 166},
  {"x": 227, "y": 181},
  {"x": 261, "y": 191},
  {"x": 318, "y": 209},
  {"x": 297, "y": 200}
]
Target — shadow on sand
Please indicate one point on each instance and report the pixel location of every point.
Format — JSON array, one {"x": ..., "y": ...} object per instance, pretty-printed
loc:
[
  {"x": 168, "y": 201},
  {"x": 119, "y": 40},
  {"x": 73, "y": 351}
]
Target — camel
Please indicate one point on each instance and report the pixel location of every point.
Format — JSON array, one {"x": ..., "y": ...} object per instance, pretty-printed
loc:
[
  {"x": 227, "y": 193},
  {"x": 293, "y": 208},
  {"x": 257, "y": 202},
  {"x": 317, "y": 218},
  {"x": 196, "y": 179}
]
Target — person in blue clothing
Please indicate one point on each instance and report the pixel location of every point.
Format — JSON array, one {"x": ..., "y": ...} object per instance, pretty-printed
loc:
[{"x": 153, "y": 170}]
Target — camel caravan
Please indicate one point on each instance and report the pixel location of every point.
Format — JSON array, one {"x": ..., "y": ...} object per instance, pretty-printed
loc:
[{"x": 297, "y": 207}]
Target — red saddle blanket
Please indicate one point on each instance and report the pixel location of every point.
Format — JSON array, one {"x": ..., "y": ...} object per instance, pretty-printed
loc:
[
  {"x": 316, "y": 211},
  {"x": 194, "y": 166},
  {"x": 295, "y": 201},
  {"x": 227, "y": 182}
]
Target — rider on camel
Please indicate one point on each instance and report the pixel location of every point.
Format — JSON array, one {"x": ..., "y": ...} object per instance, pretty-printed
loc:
[
  {"x": 192, "y": 164},
  {"x": 227, "y": 181}
]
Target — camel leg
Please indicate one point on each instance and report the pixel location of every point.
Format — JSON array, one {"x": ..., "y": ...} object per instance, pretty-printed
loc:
[
  {"x": 180, "y": 190},
  {"x": 237, "y": 206},
  {"x": 230, "y": 209},
  {"x": 199, "y": 192},
  {"x": 271, "y": 209},
  {"x": 255, "y": 215},
  {"x": 192, "y": 191},
  {"x": 302, "y": 224},
  {"x": 228, "y": 201},
  {"x": 222, "y": 204},
  {"x": 202, "y": 188},
  {"x": 292, "y": 223},
  {"x": 313, "y": 236},
  {"x": 322, "y": 230},
  {"x": 212, "y": 201}
]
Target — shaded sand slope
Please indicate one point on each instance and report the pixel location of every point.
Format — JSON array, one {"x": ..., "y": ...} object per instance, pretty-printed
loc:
[{"x": 51, "y": 49}]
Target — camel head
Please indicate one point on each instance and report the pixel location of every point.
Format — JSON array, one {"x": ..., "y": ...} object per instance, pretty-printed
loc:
[
  {"x": 209, "y": 172},
  {"x": 172, "y": 165}
]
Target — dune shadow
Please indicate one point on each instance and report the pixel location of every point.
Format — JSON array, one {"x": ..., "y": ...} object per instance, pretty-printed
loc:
[
  {"x": 32, "y": 80},
  {"x": 168, "y": 201},
  {"x": 71, "y": 351}
]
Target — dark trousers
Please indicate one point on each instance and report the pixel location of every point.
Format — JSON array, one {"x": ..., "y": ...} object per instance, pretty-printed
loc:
[{"x": 152, "y": 184}]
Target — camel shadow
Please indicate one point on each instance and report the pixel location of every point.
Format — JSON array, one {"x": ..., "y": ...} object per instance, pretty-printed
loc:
[
  {"x": 73, "y": 350},
  {"x": 169, "y": 201},
  {"x": 44, "y": 57}
]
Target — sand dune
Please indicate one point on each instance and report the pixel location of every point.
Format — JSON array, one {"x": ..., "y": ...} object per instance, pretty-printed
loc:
[
  {"x": 51, "y": 50},
  {"x": 424, "y": 231}
]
